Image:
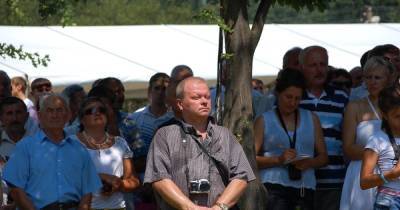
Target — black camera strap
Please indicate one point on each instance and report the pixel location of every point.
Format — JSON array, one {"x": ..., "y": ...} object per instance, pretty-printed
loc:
[
  {"x": 222, "y": 170},
  {"x": 394, "y": 145},
  {"x": 291, "y": 140}
]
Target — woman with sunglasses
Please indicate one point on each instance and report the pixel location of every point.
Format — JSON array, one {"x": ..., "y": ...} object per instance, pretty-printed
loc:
[
  {"x": 289, "y": 146},
  {"x": 380, "y": 166},
  {"x": 362, "y": 119},
  {"x": 110, "y": 154}
]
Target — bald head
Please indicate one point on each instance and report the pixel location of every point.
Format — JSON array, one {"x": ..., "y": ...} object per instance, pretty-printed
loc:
[
  {"x": 193, "y": 100},
  {"x": 180, "y": 89}
]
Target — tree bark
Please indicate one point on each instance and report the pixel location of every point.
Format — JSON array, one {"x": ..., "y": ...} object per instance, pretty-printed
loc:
[{"x": 238, "y": 114}]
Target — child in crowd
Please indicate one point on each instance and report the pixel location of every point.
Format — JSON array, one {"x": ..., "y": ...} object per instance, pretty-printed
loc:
[{"x": 382, "y": 150}]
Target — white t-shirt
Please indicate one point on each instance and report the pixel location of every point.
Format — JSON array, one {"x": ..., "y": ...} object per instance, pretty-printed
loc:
[
  {"x": 380, "y": 143},
  {"x": 110, "y": 161}
]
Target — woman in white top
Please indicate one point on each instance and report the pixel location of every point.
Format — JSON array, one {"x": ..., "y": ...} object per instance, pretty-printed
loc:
[
  {"x": 110, "y": 154},
  {"x": 382, "y": 152},
  {"x": 362, "y": 119}
]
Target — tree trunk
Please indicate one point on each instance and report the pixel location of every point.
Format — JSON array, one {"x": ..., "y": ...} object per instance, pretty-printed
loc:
[{"x": 238, "y": 115}]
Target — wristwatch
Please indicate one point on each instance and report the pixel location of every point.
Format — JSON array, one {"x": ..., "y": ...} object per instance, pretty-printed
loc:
[{"x": 222, "y": 206}]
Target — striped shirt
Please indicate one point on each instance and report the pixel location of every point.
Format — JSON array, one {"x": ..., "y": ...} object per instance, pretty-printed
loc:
[
  {"x": 147, "y": 124},
  {"x": 179, "y": 158},
  {"x": 329, "y": 107}
]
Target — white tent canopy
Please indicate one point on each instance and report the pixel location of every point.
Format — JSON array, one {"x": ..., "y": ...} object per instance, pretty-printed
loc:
[{"x": 134, "y": 53}]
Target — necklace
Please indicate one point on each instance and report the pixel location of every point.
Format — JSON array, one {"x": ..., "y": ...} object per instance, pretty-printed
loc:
[{"x": 92, "y": 142}]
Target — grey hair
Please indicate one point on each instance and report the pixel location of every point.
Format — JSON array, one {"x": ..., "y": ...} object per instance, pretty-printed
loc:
[
  {"x": 181, "y": 85},
  {"x": 309, "y": 49},
  {"x": 378, "y": 62},
  {"x": 46, "y": 98},
  {"x": 287, "y": 55}
]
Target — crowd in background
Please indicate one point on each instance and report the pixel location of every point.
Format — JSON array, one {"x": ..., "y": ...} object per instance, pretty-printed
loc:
[{"x": 325, "y": 138}]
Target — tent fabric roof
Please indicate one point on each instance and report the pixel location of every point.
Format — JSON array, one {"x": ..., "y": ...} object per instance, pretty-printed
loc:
[{"x": 134, "y": 53}]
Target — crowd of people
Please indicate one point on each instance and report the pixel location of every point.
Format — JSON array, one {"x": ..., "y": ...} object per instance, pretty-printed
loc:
[{"x": 325, "y": 138}]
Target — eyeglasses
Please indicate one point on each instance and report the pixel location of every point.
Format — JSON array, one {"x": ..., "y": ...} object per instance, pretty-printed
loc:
[{"x": 94, "y": 110}]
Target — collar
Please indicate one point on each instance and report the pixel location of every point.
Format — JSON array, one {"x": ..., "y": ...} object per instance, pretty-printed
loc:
[
  {"x": 41, "y": 135},
  {"x": 327, "y": 91},
  {"x": 5, "y": 137},
  {"x": 189, "y": 129}
]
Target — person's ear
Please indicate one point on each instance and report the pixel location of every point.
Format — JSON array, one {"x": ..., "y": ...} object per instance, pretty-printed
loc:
[{"x": 179, "y": 103}]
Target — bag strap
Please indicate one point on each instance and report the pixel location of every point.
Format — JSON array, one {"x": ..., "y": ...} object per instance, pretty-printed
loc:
[
  {"x": 221, "y": 169},
  {"x": 394, "y": 145}
]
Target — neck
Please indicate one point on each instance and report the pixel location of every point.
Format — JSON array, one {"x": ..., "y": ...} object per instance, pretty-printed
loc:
[
  {"x": 199, "y": 124},
  {"x": 56, "y": 134},
  {"x": 316, "y": 91},
  {"x": 20, "y": 95},
  {"x": 158, "y": 110},
  {"x": 15, "y": 135},
  {"x": 96, "y": 133},
  {"x": 373, "y": 99}
]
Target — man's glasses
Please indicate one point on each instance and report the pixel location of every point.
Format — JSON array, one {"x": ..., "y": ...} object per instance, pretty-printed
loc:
[{"x": 94, "y": 110}]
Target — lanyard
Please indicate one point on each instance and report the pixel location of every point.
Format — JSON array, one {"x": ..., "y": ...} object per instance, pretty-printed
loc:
[
  {"x": 396, "y": 149},
  {"x": 292, "y": 141}
]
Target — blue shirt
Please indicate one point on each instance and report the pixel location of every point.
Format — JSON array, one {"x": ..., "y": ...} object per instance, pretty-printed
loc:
[
  {"x": 276, "y": 141},
  {"x": 147, "y": 123},
  {"x": 329, "y": 108},
  {"x": 50, "y": 172}
]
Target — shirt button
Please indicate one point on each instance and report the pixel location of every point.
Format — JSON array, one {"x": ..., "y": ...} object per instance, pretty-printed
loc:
[{"x": 59, "y": 160}]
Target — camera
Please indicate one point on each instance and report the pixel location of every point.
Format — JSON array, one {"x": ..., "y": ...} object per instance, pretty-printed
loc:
[
  {"x": 199, "y": 191},
  {"x": 294, "y": 173},
  {"x": 199, "y": 186}
]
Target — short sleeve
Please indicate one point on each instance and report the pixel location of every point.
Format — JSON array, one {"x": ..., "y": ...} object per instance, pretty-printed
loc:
[
  {"x": 373, "y": 144},
  {"x": 16, "y": 170},
  {"x": 126, "y": 151},
  {"x": 239, "y": 165},
  {"x": 158, "y": 165},
  {"x": 90, "y": 179}
]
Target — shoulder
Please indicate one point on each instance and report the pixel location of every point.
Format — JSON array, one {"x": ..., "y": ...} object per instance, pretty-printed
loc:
[{"x": 336, "y": 94}]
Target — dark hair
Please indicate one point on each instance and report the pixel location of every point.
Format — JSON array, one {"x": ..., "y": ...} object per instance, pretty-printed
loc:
[
  {"x": 381, "y": 50},
  {"x": 10, "y": 101},
  {"x": 335, "y": 73},
  {"x": 86, "y": 102},
  {"x": 102, "y": 92},
  {"x": 389, "y": 99},
  {"x": 106, "y": 81},
  {"x": 289, "y": 77},
  {"x": 364, "y": 59},
  {"x": 156, "y": 77},
  {"x": 70, "y": 90}
]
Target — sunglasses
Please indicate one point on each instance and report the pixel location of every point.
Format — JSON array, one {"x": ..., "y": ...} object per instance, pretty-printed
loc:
[{"x": 94, "y": 110}]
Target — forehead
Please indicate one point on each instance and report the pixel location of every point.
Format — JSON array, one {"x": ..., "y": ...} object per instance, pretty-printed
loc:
[
  {"x": 195, "y": 87},
  {"x": 53, "y": 103},
  {"x": 15, "y": 106},
  {"x": 41, "y": 83},
  {"x": 316, "y": 54}
]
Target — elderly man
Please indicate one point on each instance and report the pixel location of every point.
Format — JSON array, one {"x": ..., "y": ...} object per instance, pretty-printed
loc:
[
  {"x": 196, "y": 164},
  {"x": 328, "y": 104},
  {"x": 49, "y": 170}
]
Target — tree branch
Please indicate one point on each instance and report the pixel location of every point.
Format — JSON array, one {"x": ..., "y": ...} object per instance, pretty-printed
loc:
[{"x": 259, "y": 21}]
